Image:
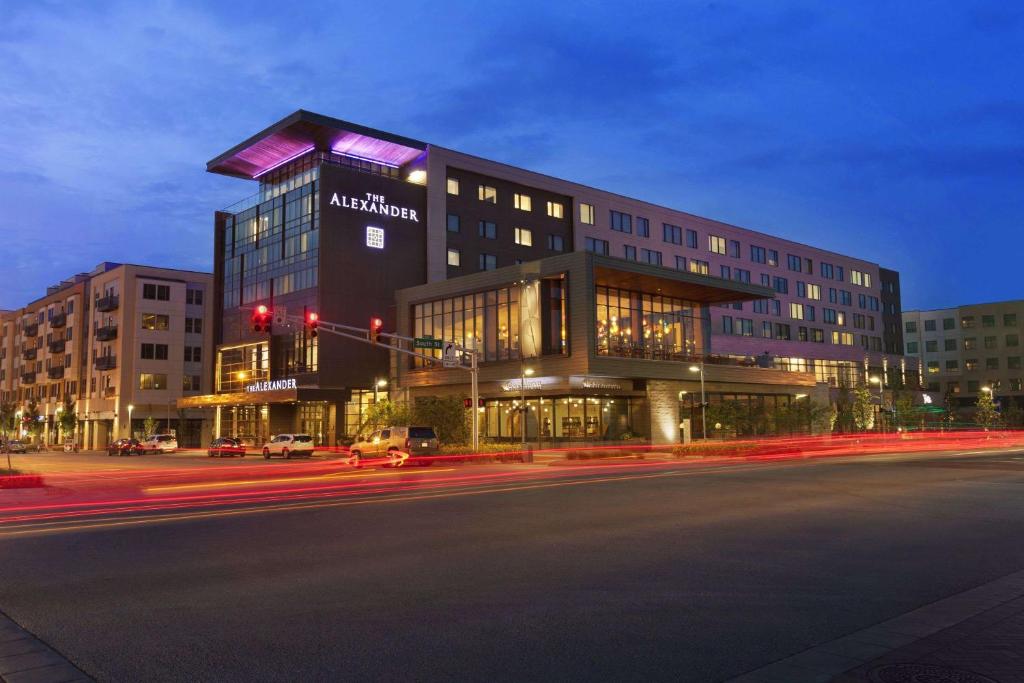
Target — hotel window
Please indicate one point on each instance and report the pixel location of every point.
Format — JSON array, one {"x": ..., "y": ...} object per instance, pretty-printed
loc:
[
  {"x": 522, "y": 202},
  {"x": 1013, "y": 363},
  {"x": 680, "y": 263},
  {"x": 742, "y": 275},
  {"x": 1016, "y": 383},
  {"x": 153, "y": 352},
  {"x": 796, "y": 311},
  {"x": 827, "y": 271},
  {"x": 991, "y": 363},
  {"x": 759, "y": 306},
  {"x": 486, "y": 193},
  {"x": 931, "y": 346},
  {"x": 929, "y": 325},
  {"x": 911, "y": 347},
  {"x": 587, "y": 214},
  {"x": 488, "y": 261},
  {"x": 487, "y": 230},
  {"x": 725, "y": 272},
  {"x": 194, "y": 325},
  {"x": 776, "y": 307},
  {"x": 453, "y": 223},
  {"x": 845, "y": 298},
  {"x": 817, "y": 335},
  {"x": 716, "y": 244},
  {"x": 152, "y": 380},
  {"x": 556, "y": 243},
  {"x": 699, "y": 267},
  {"x": 766, "y": 280},
  {"x": 990, "y": 342},
  {"x": 193, "y": 354},
  {"x": 801, "y": 289},
  {"x": 524, "y": 237},
  {"x": 192, "y": 296},
  {"x": 782, "y": 332},
  {"x": 948, "y": 323},
  {"x": 758, "y": 254},
  {"x": 556, "y": 210},
  {"x": 629, "y": 252},
  {"x": 829, "y": 315},
  {"x": 643, "y": 324},
  {"x": 157, "y": 292},
  {"x": 967, "y": 322},
  {"x": 650, "y": 256},
  {"x": 794, "y": 263},
  {"x": 1009, "y": 319},
  {"x": 453, "y": 186},
  {"x": 801, "y": 334},
  {"x": 814, "y": 292},
  {"x": 766, "y": 329},
  {"x": 953, "y": 366},
  {"x": 1012, "y": 340},
  {"x": 933, "y": 367},
  {"x": 970, "y": 364},
  {"x": 643, "y": 227},
  {"x": 155, "y": 321},
  {"x": 988, "y": 321},
  {"x": 780, "y": 285},
  {"x": 726, "y": 324},
  {"x": 673, "y": 234},
  {"x": 856, "y": 277},
  {"x": 745, "y": 327},
  {"x": 773, "y": 257},
  {"x": 972, "y": 386},
  {"x": 621, "y": 222},
  {"x": 949, "y": 344},
  {"x": 734, "y": 248},
  {"x": 597, "y": 246},
  {"x": 191, "y": 383},
  {"x": 862, "y": 300},
  {"x": 454, "y": 258},
  {"x": 842, "y": 338}
]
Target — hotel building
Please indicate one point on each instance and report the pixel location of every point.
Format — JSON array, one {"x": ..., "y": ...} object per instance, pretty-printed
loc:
[
  {"x": 123, "y": 342},
  {"x": 610, "y": 297},
  {"x": 961, "y": 350}
]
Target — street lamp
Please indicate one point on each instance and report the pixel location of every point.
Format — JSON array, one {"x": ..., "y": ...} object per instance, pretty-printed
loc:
[
  {"x": 130, "y": 409},
  {"x": 377, "y": 386},
  {"x": 703, "y": 401},
  {"x": 523, "y": 374}
]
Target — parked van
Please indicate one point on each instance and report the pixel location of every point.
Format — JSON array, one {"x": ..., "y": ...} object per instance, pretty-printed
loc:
[{"x": 395, "y": 445}]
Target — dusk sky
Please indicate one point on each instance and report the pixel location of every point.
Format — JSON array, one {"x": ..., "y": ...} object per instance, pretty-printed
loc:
[{"x": 893, "y": 132}]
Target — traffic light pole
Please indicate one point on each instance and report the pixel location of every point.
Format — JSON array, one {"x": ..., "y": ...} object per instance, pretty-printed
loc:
[{"x": 365, "y": 335}]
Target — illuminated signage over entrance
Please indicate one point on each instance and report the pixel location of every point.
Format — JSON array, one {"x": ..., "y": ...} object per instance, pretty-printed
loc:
[
  {"x": 374, "y": 237},
  {"x": 271, "y": 385},
  {"x": 374, "y": 203}
]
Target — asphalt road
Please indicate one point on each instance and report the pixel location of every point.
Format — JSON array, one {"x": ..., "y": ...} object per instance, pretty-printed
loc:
[{"x": 687, "y": 575}]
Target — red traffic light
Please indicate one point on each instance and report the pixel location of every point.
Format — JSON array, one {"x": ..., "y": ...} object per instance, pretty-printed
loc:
[
  {"x": 261, "y": 309},
  {"x": 312, "y": 317},
  {"x": 376, "y": 325},
  {"x": 262, "y": 318}
]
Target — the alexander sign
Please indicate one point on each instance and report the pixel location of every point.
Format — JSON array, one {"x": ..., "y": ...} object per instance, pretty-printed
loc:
[
  {"x": 373, "y": 203},
  {"x": 271, "y": 385}
]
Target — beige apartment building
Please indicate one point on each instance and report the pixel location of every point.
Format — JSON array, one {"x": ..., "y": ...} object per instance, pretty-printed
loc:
[
  {"x": 123, "y": 341},
  {"x": 969, "y": 349}
]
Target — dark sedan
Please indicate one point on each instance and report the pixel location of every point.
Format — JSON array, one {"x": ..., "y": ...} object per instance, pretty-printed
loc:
[
  {"x": 125, "y": 447},
  {"x": 226, "y": 446}
]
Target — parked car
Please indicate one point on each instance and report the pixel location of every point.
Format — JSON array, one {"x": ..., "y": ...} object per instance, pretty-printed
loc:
[
  {"x": 225, "y": 445},
  {"x": 160, "y": 443},
  {"x": 125, "y": 447},
  {"x": 16, "y": 447},
  {"x": 394, "y": 445},
  {"x": 289, "y": 445}
]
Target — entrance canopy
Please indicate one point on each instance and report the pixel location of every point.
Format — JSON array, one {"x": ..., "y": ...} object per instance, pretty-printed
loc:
[{"x": 252, "y": 398}]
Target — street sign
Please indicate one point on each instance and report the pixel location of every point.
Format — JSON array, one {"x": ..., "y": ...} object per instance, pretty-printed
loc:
[
  {"x": 449, "y": 359},
  {"x": 427, "y": 343}
]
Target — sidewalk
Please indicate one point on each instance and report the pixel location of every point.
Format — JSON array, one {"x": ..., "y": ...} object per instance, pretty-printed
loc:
[{"x": 973, "y": 637}]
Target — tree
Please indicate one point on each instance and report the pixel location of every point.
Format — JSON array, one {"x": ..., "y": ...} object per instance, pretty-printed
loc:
[
  {"x": 384, "y": 413},
  {"x": 950, "y": 404},
  {"x": 447, "y": 415},
  {"x": 863, "y": 408},
  {"x": 844, "y": 409},
  {"x": 30, "y": 416},
  {"x": 1013, "y": 416},
  {"x": 67, "y": 420},
  {"x": 903, "y": 402},
  {"x": 149, "y": 426},
  {"x": 7, "y": 411},
  {"x": 986, "y": 414}
]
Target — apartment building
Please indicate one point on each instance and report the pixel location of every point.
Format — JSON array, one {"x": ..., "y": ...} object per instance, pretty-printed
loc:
[
  {"x": 965, "y": 350},
  {"x": 123, "y": 341}
]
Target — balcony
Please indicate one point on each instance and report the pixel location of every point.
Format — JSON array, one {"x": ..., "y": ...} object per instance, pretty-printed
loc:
[
  {"x": 106, "y": 362},
  {"x": 56, "y": 372},
  {"x": 31, "y": 330},
  {"x": 58, "y": 346},
  {"x": 29, "y": 354},
  {"x": 28, "y": 378},
  {"x": 110, "y": 392},
  {"x": 106, "y": 304},
  {"x": 59, "y": 320},
  {"x": 107, "y": 333}
]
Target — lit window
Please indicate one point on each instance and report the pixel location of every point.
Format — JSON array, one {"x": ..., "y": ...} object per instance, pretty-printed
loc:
[
  {"x": 699, "y": 267},
  {"x": 716, "y": 244},
  {"x": 587, "y": 214},
  {"x": 522, "y": 202},
  {"x": 813, "y": 291},
  {"x": 524, "y": 237},
  {"x": 454, "y": 257},
  {"x": 796, "y": 311},
  {"x": 555, "y": 209},
  {"x": 486, "y": 193},
  {"x": 453, "y": 186}
]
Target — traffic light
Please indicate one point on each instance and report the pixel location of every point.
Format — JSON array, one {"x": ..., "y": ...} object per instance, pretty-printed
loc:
[
  {"x": 376, "y": 325},
  {"x": 312, "y": 322},
  {"x": 262, "y": 319}
]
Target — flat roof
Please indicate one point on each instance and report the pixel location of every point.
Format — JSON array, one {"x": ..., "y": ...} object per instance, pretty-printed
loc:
[{"x": 304, "y": 131}]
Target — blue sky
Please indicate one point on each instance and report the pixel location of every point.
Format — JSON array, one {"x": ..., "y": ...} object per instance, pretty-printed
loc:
[{"x": 889, "y": 131}]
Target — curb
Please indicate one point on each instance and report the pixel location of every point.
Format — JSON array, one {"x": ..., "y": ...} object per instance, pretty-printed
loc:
[{"x": 26, "y": 659}]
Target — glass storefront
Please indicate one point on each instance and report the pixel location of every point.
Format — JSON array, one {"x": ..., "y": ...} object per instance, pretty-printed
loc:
[
  {"x": 313, "y": 420},
  {"x": 238, "y": 366},
  {"x": 565, "y": 418},
  {"x": 643, "y": 325}
]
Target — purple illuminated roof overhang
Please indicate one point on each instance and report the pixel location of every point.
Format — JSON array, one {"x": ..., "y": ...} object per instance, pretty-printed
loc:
[{"x": 303, "y": 131}]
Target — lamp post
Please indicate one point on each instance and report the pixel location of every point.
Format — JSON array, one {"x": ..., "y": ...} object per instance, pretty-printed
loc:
[
  {"x": 881, "y": 398},
  {"x": 377, "y": 386},
  {"x": 703, "y": 401},
  {"x": 524, "y": 372},
  {"x": 130, "y": 409}
]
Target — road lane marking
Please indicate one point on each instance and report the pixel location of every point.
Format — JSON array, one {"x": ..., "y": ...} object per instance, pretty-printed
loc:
[{"x": 256, "y": 482}]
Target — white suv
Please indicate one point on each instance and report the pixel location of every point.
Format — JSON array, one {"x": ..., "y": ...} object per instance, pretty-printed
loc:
[
  {"x": 288, "y": 445},
  {"x": 159, "y": 443}
]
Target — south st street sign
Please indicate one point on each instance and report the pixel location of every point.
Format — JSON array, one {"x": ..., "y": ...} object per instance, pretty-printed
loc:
[
  {"x": 271, "y": 385},
  {"x": 374, "y": 203}
]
